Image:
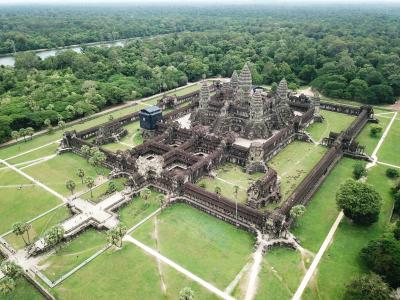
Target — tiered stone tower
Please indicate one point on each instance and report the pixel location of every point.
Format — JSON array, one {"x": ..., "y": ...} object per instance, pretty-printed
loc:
[{"x": 204, "y": 95}]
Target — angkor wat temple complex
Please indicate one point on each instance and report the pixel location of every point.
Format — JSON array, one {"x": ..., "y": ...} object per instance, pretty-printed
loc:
[
  {"x": 174, "y": 157},
  {"x": 238, "y": 107}
]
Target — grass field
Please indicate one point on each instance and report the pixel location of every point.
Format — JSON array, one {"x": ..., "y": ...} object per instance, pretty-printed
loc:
[
  {"x": 293, "y": 163},
  {"x": 57, "y": 171},
  {"x": 39, "y": 226},
  {"x": 45, "y": 151},
  {"x": 205, "y": 245},
  {"x": 72, "y": 253},
  {"x": 138, "y": 209},
  {"x": 365, "y": 138},
  {"x": 21, "y": 203},
  {"x": 227, "y": 176},
  {"x": 332, "y": 122},
  {"x": 99, "y": 193},
  {"x": 389, "y": 152},
  {"x": 341, "y": 259},
  {"x": 126, "y": 274}
]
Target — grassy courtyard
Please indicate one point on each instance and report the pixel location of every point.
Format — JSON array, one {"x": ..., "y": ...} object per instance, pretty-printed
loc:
[
  {"x": 99, "y": 193},
  {"x": 72, "y": 253},
  {"x": 126, "y": 274},
  {"x": 227, "y": 176},
  {"x": 131, "y": 140},
  {"x": 389, "y": 152},
  {"x": 293, "y": 164},
  {"x": 341, "y": 259},
  {"x": 212, "y": 249},
  {"x": 57, "y": 171},
  {"x": 21, "y": 200},
  {"x": 333, "y": 121}
]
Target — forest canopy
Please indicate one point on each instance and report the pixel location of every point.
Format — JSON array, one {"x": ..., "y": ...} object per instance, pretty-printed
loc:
[{"x": 343, "y": 52}]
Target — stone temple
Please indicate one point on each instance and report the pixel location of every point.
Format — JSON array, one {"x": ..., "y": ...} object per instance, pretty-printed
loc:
[{"x": 240, "y": 108}]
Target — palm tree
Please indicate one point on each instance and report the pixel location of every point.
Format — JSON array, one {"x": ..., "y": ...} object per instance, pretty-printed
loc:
[
  {"x": 236, "y": 191},
  {"x": 15, "y": 135},
  {"x": 70, "y": 185},
  {"x": 217, "y": 190},
  {"x": 161, "y": 200},
  {"x": 30, "y": 131},
  {"x": 80, "y": 173},
  {"x": 85, "y": 150},
  {"x": 145, "y": 194},
  {"x": 90, "y": 184},
  {"x": 116, "y": 234},
  {"x": 22, "y": 132},
  {"x": 7, "y": 285},
  {"x": 19, "y": 229},
  {"x": 54, "y": 235}
]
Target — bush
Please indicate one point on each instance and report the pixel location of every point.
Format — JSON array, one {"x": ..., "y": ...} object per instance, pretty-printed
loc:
[
  {"x": 392, "y": 173},
  {"x": 396, "y": 231},
  {"x": 359, "y": 170},
  {"x": 383, "y": 257},
  {"x": 396, "y": 207},
  {"x": 359, "y": 201},
  {"x": 367, "y": 287},
  {"x": 375, "y": 131}
]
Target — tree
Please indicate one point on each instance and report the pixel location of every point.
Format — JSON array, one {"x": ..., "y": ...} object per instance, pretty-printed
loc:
[
  {"x": 116, "y": 234},
  {"x": 186, "y": 294},
  {"x": 296, "y": 212},
  {"x": 217, "y": 190},
  {"x": 23, "y": 133},
  {"x": 53, "y": 235},
  {"x": 89, "y": 181},
  {"x": 112, "y": 187},
  {"x": 383, "y": 257},
  {"x": 7, "y": 285},
  {"x": 15, "y": 135},
  {"x": 375, "y": 131},
  {"x": 110, "y": 117},
  {"x": 161, "y": 200},
  {"x": 47, "y": 122},
  {"x": 367, "y": 287},
  {"x": 85, "y": 150},
  {"x": 70, "y": 185},
  {"x": 145, "y": 194},
  {"x": 80, "y": 173},
  {"x": 359, "y": 170},
  {"x": 392, "y": 173},
  {"x": 20, "y": 228},
  {"x": 359, "y": 202},
  {"x": 10, "y": 269},
  {"x": 30, "y": 131},
  {"x": 396, "y": 231},
  {"x": 61, "y": 124},
  {"x": 97, "y": 159}
]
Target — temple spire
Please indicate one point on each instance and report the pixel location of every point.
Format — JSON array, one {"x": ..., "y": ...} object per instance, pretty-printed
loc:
[
  {"x": 245, "y": 80},
  {"x": 204, "y": 95},
  {"x": 282, "y": 89},
  {"x": 256, "y": 107},
  {"x": 234, "y": 81}
]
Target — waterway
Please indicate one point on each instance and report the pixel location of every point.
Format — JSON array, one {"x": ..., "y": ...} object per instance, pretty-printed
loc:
[{"x": 10, "y": 60}]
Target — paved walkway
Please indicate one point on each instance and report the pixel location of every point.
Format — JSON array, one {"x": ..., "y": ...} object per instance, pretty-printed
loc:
[
  {"x": 43, "y": 186},
  {"x": 179, "y": 268},
  {"x": 314, "y": 264}
]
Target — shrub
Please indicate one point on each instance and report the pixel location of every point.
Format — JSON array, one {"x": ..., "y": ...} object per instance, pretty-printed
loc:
[
  {"x": 359, "y": 170},
  {"x": 396, "y": 231},
  {"x": 375, "y": 131},
  {"x": 367, "y": 287},
  {"x": 383, "y": 257},
  {"x": 392, "y": 173},
  {"x": 359, "y": 201}
]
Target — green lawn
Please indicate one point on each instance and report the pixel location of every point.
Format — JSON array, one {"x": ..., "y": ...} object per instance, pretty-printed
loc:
[
  {"x": 99, "y": 193},
  {"x": 21, "y": 204},
  {"x": 73, "y": 252},
  {"x": 389, "y": 152},
  {"x": 333, "y": 121},
  {"x": 126, "y": 274},
  {"x": 205, "y": 245},
  {"x": 227, "y": 176},
  {"x": 39, "y": 226},
  {"x": 365, "y": 138},
  {"x": 293, "y": 164},
  {"x": 46, "y": 151},
  {"x": 341, "y": 259},
  {"x": 55, "y": 172},
  {"x": 23, "y": 291},
  {"x": 137, "y": 209}
]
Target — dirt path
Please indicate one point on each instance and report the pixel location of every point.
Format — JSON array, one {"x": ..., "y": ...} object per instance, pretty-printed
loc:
[{"x": 163, "y": 286}]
